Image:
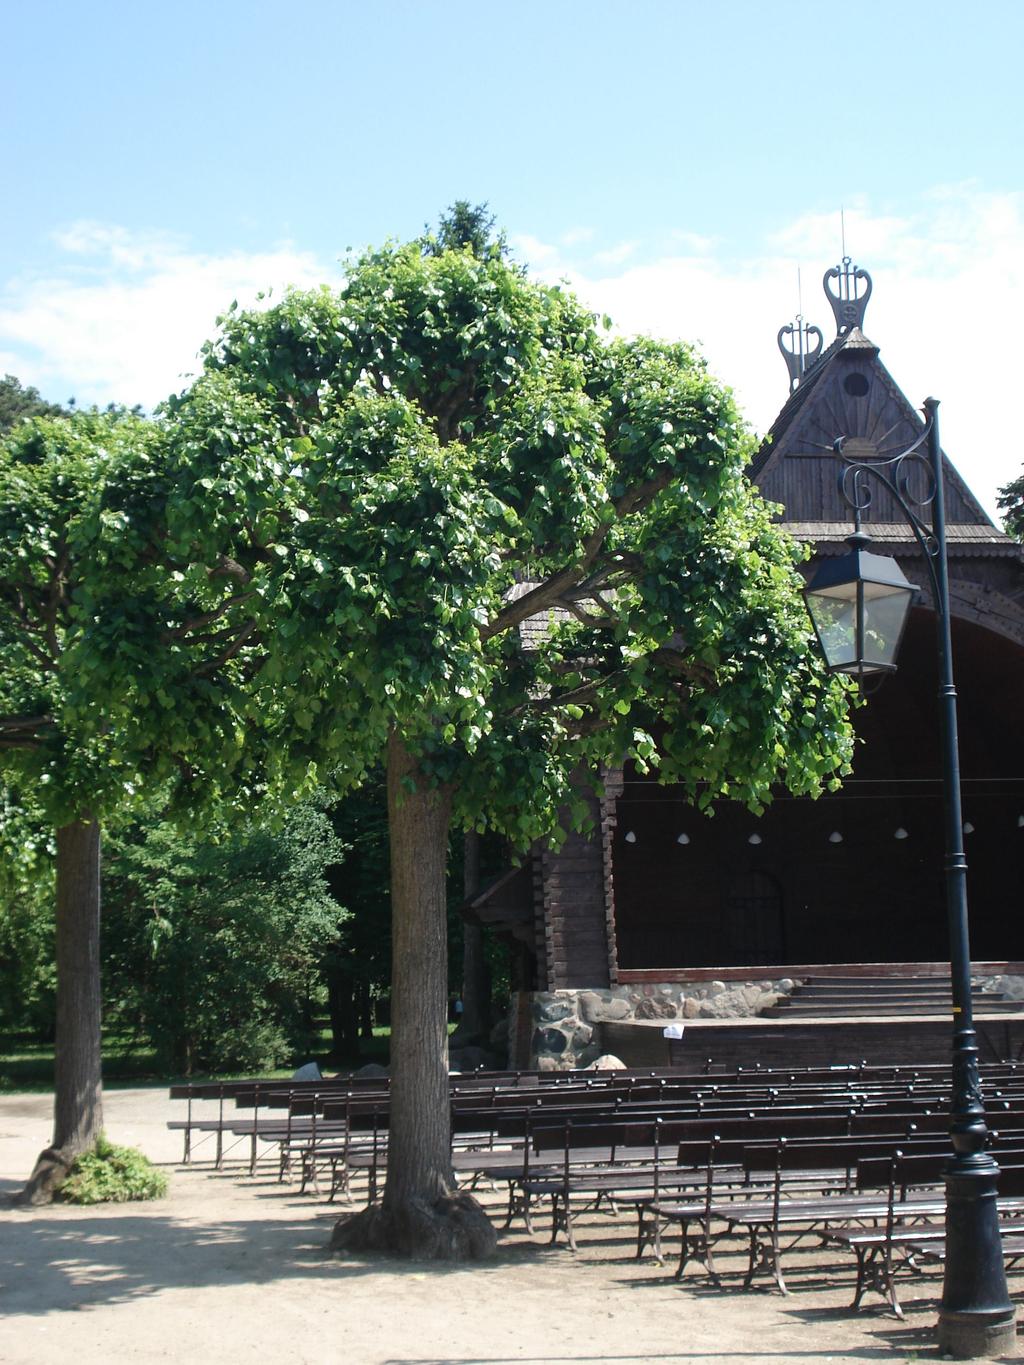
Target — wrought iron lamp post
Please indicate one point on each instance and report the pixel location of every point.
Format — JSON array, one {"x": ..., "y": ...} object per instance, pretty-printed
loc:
[{"x": 859, "y": 605}]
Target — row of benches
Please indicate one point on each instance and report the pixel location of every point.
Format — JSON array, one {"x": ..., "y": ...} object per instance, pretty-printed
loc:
[{"x": 760, "y": 1154}]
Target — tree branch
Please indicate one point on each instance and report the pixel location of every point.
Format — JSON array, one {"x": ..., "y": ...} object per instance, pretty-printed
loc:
[
  {"x": 208, "y": 618},
  {"x": 23, "y": 732},
  {"x": 230, "y": 568},
  {"x": 548, "y": 593},
  {"x": 211, "y": 665},
  {"x": 40, "y": 655}
]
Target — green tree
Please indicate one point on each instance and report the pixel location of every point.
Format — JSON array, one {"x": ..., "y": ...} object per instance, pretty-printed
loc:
[
  {"x": 17, "y": 403},
  {"x": 465, "y": 226},
  {"x": 441, "y": 523},
  {"x": 357, "y": 965},
  {"x": 212, "y": 947},
  {"x": 57, "y": 751},
  {"x": 1011, "y": 504},
  {"x": 27, "y": 972}
]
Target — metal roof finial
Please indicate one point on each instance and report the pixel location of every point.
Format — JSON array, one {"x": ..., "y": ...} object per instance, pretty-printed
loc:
[
  {"x": 800, "y": 354},
  {"x": 851, "y": 301}
]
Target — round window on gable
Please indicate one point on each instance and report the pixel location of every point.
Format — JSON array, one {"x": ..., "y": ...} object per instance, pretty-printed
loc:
[{"x": 856, "y": 385}]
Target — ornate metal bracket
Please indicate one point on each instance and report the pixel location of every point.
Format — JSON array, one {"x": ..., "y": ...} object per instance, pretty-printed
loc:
[{"x": 897, "y": 475}]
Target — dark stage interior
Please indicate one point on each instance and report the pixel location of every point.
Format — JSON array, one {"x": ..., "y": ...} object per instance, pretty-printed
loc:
[{"x": 855, "y": 876}]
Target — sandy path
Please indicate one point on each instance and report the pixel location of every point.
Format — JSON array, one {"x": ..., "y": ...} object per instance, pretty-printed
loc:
[{"x": 228, "y": 1269}]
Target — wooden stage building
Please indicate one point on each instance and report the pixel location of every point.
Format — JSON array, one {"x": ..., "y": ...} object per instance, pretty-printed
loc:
[{"x": 666, "y": 916}]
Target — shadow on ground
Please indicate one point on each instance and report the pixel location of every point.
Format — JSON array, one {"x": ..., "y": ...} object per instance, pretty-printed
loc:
[
  {"x": 66, "y": 1259},
  {"x": 892, "y": 1353}
]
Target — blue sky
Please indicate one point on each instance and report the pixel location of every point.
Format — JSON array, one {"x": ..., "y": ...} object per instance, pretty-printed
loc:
[{"x": 677, "y": 162}]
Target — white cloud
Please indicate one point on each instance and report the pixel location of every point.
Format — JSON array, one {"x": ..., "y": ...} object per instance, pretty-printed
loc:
[
  {"x": 121, "y": 315},
  {"x": 532, "y": 250},
  {"x": 616, "y": 255},
  {"x": 123, "y": 319},
  {"x": 948, "y": 292},
  {"x": 693, "y": 242},
  {"x": 576, "y": 236}
]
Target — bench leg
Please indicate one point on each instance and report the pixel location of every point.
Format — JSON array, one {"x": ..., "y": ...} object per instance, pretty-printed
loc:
[
  {"x": 698, "y": 1248},
  {"x": 684, "y": 1251},
  {"x": 308, "y": 1171},
  {"x": 765, "y": 1254},
  {"x": 519, "y": 1204},
  {"x": 340, "y": 1179},
  {"x": 875, "y": 1271},
  {"x": 709, "y": 1260},
  {"x": 648, "y": 1230},
  {"x": 561, "y": 1219},
  {"x": 890, "y": 1278}
]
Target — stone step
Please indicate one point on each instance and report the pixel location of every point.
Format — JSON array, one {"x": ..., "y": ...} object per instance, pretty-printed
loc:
[
  {"x": 936, "y": 997},
  {"x": 880, "y": 1009},
  {"x": 865, "y": 983}
]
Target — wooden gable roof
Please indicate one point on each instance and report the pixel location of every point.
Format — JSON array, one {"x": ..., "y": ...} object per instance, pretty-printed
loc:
[{"x": 849, "y": 392}]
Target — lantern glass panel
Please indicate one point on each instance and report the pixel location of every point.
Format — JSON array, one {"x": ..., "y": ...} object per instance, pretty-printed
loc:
[
  {"x": 834, "y": 614},
  {"x": 885, "y": 611}
]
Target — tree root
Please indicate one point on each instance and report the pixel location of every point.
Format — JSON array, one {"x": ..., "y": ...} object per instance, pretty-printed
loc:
[
  {"x": 51, "y": 1170},
  {"x": 451, "y": 1228}
]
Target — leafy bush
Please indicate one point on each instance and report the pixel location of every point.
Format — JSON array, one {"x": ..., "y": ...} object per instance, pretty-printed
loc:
[
  {"x": 211, "y": 950},
  {"x": 112, "y": 1175}
]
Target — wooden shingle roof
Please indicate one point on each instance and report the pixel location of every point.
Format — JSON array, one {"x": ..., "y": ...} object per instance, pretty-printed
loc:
[{"x": 848, "y": 392}]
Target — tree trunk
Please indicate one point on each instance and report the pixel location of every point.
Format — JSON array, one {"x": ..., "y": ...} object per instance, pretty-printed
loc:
[
  {"x": 422, "y": 1214},
  {"x": 474, "y": 1026},
  {"x": 78, "y": 1090},
  {"x": 364, "y": 1013},
  {"x": 341, "y": 1007}
]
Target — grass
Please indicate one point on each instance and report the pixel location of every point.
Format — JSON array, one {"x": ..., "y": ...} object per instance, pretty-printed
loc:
[{"x": 26, "y": 1065}]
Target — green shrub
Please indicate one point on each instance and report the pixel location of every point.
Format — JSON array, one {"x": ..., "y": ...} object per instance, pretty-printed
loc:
[
  {"x": 212, "y": 950},
  {"x": 112, "y": 1175}
]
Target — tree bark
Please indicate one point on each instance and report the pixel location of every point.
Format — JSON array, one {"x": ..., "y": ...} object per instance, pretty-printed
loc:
[
  {"x": 364, "y": 1013},
  {"x": 78, "y": 1087},
  {"x": 341, "y": 1007},
  {"x": 422, "y": 1214},
  {"x": 475, "y": 1023}
]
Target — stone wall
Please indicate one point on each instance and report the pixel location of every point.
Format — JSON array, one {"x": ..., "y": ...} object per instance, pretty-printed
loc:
[
  {"x": 1012, "y": 987},
  {"x": 564, "y": 1021},
  {"x": 563, "y": 1034}
]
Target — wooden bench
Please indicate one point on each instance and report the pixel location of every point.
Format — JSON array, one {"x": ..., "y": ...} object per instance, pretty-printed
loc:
[
  {"x": 766, "y": 1222},
  {"x": 904, "y": 1235}
]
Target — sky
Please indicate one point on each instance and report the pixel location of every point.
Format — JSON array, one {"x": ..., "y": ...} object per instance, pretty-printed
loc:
[{"x": 688, "y": 168}]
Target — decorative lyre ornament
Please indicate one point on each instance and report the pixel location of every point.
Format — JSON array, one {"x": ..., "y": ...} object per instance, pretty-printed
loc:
[
  {"x": 850, "y": 302},
  {"x": 799, "y": 354}
]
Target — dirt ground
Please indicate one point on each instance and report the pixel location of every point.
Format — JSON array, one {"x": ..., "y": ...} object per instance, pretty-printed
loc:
[{"x": 230, "y": 1268}]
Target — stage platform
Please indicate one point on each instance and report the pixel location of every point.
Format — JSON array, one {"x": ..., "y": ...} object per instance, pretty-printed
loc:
[
  {"x": 833, "y": 1017},
  {"x": 883, "y": 1040}
]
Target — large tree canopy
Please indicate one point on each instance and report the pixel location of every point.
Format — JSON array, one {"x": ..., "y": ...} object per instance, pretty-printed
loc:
[
  {"x": 440, "y": 504},
  {"x": 438, "y": 517}
]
